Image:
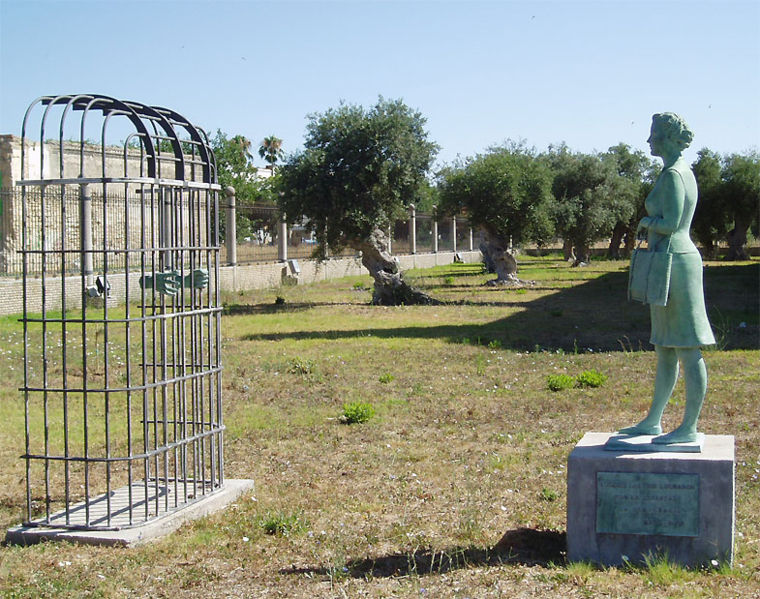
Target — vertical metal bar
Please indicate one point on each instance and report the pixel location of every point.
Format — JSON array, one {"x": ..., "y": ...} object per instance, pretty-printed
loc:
[
  {"x": 144, "y": 345},
  {"x": 127, "y": 344},
  {"x": 86, "y": 279},
  {"x": 25, "y": 335},
  {"x": 106, "y": 342},
  {"x": 218, "y": 339}
]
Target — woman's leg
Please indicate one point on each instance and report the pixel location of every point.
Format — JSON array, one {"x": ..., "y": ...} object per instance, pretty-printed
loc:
[
  {"x": 664, "y": 383},
  {"x": 695, "y": 379}
]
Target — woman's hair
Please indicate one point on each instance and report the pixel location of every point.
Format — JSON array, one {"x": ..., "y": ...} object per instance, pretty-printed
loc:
[{"x": 674, "y": 128}]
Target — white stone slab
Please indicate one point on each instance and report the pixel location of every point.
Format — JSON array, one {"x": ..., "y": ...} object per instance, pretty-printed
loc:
[{"x": 126, "y": 535}]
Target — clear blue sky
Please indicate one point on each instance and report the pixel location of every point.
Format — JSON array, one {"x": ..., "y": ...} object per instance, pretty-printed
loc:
[{"x": 586, "y": 73}]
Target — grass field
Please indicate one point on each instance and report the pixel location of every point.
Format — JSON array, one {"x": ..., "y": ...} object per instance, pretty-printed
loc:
[{"x": 455, "y": 486}]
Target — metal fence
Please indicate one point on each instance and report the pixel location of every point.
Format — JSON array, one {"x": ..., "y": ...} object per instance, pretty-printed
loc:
[{"x": 118, "y": 220}]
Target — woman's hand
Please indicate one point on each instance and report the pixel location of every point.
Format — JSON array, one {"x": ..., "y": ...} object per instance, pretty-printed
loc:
[{"x": 641, "y": 230}]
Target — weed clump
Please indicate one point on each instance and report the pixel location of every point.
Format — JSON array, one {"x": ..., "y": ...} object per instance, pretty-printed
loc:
[
  {"x": 558, "y": 382},
  {"x": 591, "y": 378},
  {"x": 357, "y": 412},
  {"x": 587, "y": 378},
  {"x": 280, "y": 524},
  {"x": 386, "y": 377}
]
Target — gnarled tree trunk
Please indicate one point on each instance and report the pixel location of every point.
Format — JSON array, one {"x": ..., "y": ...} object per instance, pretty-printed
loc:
[
  {"x": 737, "y": 242},
  {"x": 390, "y": 287},
  {"x": 618, "y": 233},
  {"x": 496, "y": 252},
  {"x": 568, "y": 251}
]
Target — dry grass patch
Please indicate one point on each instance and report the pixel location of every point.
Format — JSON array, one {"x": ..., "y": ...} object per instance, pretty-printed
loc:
[{"x": 456, "y": 486}]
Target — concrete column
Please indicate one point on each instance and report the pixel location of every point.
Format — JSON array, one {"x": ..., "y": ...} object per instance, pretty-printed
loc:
[
  {"x": 454, "y": 233},
  {"x": 231, "y": 240},
  {"x": 471, "y": 240},
  {"x": 435, "y": 232},
  {"x": 85, "y": 228},
  {"x": 412, "y": 229},
  {"x": 282, "y": 241}
]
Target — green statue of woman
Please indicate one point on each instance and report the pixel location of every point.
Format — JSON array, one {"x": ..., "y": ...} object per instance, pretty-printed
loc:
[{"x": 681, "y": 327}]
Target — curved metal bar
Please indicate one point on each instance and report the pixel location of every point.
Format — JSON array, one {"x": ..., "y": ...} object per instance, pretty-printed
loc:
[
  {"x": 200, "y": 140},
  {"x": 152, "y": 114}
]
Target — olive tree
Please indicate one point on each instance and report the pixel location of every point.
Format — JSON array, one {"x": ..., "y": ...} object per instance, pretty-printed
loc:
[
  {"x": 591, "y": 197},
  {"x": 506, "y": 192},
  {"x": 360, "y": 170},
  {"x": 711, "y": 217},
  {"x": 741, "y": 190},
  {"x": 638, "y": 173}
]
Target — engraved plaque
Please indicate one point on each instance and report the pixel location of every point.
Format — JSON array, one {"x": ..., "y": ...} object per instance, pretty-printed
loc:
[{"x": 641, "y": 503}]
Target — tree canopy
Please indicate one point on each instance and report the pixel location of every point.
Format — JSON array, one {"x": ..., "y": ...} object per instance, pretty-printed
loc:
[
  {"x": 271, "y": 150},
  {"x": 591, "y": 197},
  {"x": 360, "y": 169},
  {"x": 506, "y": 192}
]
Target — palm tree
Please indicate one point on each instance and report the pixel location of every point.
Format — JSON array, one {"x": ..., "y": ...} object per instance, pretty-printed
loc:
[{"x": 271, "y": 150}]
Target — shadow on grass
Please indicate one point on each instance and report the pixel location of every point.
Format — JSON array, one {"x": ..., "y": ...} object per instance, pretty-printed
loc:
[
  {"x": 525, "y": 546},
  {"x": 591, "y": 316},
  {"x": 273, "y": 308}
]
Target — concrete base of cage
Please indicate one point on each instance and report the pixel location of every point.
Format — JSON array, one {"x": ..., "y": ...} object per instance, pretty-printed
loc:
[{"x": 126, "y": 535}]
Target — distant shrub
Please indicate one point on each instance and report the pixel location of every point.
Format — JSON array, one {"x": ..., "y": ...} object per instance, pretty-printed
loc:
[
  {"x": 494, "y": 344},
  {"x": 357, "y": 412},
  {"x": 591, "y": 378},
  {"x": 558, "y": 382}
]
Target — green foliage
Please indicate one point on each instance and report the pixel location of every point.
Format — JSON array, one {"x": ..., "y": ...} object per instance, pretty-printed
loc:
[
  {"x": 235, "y": 169},
  {"x": 361, "y": 168},
  {"x": 711, "y": 217},
  {"x": 591, "y": 196},
  {"x": 741, "y": 188},
  {"x": 548, "y": 494},
  {"x": 357, "y": 412},
  {"x": 507, "y": 191},
  {"x": 282, "y": 524},
  {"x": 301, "y": 366},
  {"x": 591, "y": 378},
  {"x": 559, "y": 382},
  {"x": 386, "y": 377},
  {"x": 271, "y": 150}
]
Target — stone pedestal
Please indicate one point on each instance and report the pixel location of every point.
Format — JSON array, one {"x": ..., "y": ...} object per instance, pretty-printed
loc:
[{"x": 625, "y": 505}]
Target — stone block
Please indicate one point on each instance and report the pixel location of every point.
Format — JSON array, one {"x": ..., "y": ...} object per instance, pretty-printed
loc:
[{"x": 627, "y": 504}]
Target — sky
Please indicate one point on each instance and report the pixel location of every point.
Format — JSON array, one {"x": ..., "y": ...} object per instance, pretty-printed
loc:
[{"x": 589, "y": 74}]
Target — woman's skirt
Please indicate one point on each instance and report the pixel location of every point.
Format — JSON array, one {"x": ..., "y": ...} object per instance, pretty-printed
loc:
[{"x": 683, "y": 321}]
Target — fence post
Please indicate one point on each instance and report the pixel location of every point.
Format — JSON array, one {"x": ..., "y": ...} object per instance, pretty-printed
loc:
[
  {"x": 231, "y": 239},
  {"x": 85, "y": 224},
  {"x": 435, "y": 230},
  {"x": 454, "y": 233},
  {"x": 412, "y": 229},
  {"x": 282, "y": 241}
]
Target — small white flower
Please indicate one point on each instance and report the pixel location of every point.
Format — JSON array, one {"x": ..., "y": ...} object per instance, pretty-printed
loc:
[
  {"x": 714, "y": 562},
  {"x": 246, "y": 539}
]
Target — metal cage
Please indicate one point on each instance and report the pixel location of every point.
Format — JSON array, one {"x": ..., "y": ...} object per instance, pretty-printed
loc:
[{"x": 121, "y": 317}]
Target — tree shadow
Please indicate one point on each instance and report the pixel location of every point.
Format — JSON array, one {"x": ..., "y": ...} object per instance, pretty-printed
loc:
[
  {"x": 524, "y": 546},
  {"x": 273, "y": 308},
  {"x": 591, "y": 316}
]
